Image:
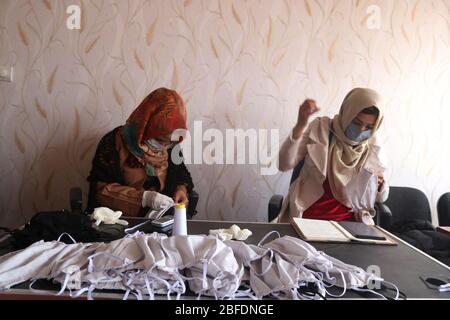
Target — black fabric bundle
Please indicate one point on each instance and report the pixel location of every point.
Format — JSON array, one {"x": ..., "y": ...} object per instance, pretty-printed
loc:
[{"x": 49, "y": 226}]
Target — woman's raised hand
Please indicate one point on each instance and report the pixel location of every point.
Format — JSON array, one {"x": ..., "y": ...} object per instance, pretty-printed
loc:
[{"x": 305, "y": 111}]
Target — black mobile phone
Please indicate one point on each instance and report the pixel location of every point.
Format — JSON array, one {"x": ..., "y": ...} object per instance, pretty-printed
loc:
[{"x": 163, "y": 222}]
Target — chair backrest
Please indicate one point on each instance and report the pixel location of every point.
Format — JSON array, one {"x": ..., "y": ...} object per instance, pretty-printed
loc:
[
  {"x": 443, "y": 208},
  {"x": 408, "y": 203}
]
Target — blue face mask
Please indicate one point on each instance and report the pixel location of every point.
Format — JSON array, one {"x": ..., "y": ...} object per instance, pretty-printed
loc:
[{"x": 355, "y": 134}]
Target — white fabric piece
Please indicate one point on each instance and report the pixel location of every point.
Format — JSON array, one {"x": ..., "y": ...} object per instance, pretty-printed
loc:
[
  {"x": 107, "y": 216},
  {"x": 232, "y": 233},
  {"x": 148, "y": 264},
  {"x": 362, "y": 193},
  {"x": 156, "y": 214}
]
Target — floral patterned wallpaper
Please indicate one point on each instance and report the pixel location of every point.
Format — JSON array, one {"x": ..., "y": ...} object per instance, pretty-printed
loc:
[{"x": 237, "y": 63}]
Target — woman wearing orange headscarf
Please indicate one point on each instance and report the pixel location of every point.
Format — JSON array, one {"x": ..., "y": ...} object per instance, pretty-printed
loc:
[{"x": 132, "y": 170}]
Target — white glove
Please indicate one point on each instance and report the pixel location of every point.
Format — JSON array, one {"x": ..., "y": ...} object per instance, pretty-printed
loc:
[
  {"x": 156, "y": 201},
  {"x": 234, "y": 232},
  {"x": 107, "y": 216}
]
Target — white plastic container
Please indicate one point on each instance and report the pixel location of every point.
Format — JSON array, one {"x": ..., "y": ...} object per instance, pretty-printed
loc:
[{"x": 180, "y": 220}]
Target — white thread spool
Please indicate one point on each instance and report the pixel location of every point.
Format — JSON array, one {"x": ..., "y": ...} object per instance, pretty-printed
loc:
[{"x": 180, "y": 223}]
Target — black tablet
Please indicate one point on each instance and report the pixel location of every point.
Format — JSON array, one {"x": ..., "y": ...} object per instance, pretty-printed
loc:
[{"x": 362, "y": 231}]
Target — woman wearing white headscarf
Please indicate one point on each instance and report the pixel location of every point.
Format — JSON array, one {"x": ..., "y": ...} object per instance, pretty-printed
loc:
[{"x": 342, "y": 174}]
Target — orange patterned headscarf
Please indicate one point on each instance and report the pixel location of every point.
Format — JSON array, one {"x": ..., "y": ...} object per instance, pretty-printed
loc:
[{"x": 159, "y": 114}]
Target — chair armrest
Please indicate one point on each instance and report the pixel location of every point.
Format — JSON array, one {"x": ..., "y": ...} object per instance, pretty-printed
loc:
[
  {"x": 384, "y": 215},
  {"x": 275, "y": 204},
  {"x": 193, "y": 197},
  {"x": 76, "y": 200}
]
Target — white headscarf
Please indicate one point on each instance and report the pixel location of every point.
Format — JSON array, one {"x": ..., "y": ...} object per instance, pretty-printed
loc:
[{"x": 346, "y": 157}]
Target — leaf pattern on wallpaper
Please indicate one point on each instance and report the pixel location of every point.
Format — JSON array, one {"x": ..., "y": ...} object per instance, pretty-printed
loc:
[
  {"x": 364, "y": 20},
  {"x": 76, "y": 128},
  {"x": 19, "y": 143},
  {"x": 83, "y": 18},
  {"x": 35, "y": 207},
  {"x": 214, "y": 48},
  {"x": 386, "y": 65},
  {"x": 269, "y": 33},
  {"x": 40, "y": 109},
  {"x": 91, "y": 45},
  {"x": 117, "y": 95},
  {"x": 414, "y": 11},
  {"x": 151, "y": 33},
  {"x": 48, "y": 185},
  {"x": 321, "y": 75},
  {"x": 236, "y": 14},
  {"x": 405, "y": 34},
  {"x": 241, "y": 92},
  {"x": 277, "y": 61},
  {"x": 332, "y": 49},
  {"x": 234, "y": 194},
  {"x": 23, "y": 35},
  {"x": 221, "y": 216},
  {"x": 138, "y": 61},
  {"x": 307, "y": 7},
  {"x": 86, "y": 150},
  {"x": 174, "y": 82},
  {"x": 51, "y": 80},
  {"x": 228, "y": 118},
  {"x": 47, "y": 4},
  {"x": 433, "y": 51}
]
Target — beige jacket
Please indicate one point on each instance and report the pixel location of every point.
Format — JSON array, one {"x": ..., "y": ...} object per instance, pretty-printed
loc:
[{"x": 308, "y": 187}]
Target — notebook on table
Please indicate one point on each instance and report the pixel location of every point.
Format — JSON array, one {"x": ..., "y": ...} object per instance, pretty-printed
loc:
[
  {"x": 444, "y": 230},
  {"x": 343, "y": 231}
]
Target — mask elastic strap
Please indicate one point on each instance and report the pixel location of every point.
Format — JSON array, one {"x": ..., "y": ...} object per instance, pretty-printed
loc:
[
  {"x": 64, "y": 285},
  {"x": 268, "y": 235},
  {"x": 397, "y": 295},
  {"x": 371, "y": 291},
  {"x": 90, "y": 259},
  {"x": 151, "y": 295},
  {"x": 89, "y": 289},
  {"x": 65, "y": 233},
  {"x": 131, "y": 231},
  {"x": 345, "y": 287},
  {"x": 268, "y": 267}
]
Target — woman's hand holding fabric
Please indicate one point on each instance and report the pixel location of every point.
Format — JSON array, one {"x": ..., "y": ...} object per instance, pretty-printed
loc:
[
  {"x": 155, "y": 200},
  {"x": 180, "y": 195}
]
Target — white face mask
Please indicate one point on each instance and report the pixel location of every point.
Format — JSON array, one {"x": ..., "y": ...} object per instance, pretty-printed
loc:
[{"x": 156, "y": 146}]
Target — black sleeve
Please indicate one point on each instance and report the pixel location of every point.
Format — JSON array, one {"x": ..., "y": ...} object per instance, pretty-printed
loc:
[
  {"x": 179, "y": 174},
  {"x": 184, "y": 177},
  {"x": 105, "y": 167}
]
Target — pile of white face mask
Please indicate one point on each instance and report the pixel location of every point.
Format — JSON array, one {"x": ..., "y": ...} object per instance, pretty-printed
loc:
[{"x": 145, "y": 265}]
